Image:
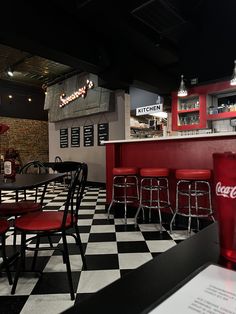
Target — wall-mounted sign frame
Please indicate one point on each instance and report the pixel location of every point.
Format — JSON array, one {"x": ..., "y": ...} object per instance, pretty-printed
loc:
[
  {"x": 103, "y": 133},
  {"x": 88, "y": 135},
  {"x": 75, "y": 137},
  {"x": 63, "y": 138}
]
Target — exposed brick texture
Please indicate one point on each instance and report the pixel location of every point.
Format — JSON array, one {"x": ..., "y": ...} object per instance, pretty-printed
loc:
[{"x": 28, "y": 137}]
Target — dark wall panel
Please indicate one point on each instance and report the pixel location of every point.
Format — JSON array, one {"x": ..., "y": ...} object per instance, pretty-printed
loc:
[{"x": 19, "y": 106}]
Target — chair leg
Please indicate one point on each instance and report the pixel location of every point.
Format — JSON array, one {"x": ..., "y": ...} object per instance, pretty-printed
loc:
[
  {"x": 112, "y": 199},
  {"x": 176, "y": 207},
  {"x": 68, "y": 268},
  {"x": 159, "y": 206},
  {"x": 35, "y": 253},
  {"x": 136, "y": 215},
  {"x": 109, "y": 209},
  {"x": 5, "y": 261},
  {"x": 14, "y": 234},
  {"x": 79, "y": 243},
  {"x": 50, "y": 242},
  {"x": 20, "y": 263},
  {"x": 189, "y": 209}
]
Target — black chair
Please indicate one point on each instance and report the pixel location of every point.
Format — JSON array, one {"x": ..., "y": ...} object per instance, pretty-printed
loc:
[
  {"x": 58, "y": 160},
  {"x": 24, "y": 206},
  {"x": 65, "y": 167},
  {"x": 51, "y": 223},
  {"x": 4, "y": 226}
]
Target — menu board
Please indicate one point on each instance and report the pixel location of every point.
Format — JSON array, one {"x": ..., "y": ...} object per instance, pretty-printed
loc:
[
  {"x": 103, "y": 133},
  {"x": 75, "y": 137},
  {"x": 88, "y": 135},
  {"x": 63, "y": 138}
]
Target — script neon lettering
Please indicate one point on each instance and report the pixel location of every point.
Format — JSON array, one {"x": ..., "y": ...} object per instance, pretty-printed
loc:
[{"x": 81, "y": 92}]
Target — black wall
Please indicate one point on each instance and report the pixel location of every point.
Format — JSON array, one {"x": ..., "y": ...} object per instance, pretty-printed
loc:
[{"x": 18, "y": 106}]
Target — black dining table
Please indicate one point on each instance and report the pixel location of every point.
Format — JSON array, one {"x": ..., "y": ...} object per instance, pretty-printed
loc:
[
  {"x": 144, "y": 288},
  {"x": 27, "y": 181},
  {"x": 24, "y": 181}
]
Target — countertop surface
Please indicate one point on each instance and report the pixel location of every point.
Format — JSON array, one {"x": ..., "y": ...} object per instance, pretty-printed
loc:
[{"x": 168, "y": 138}]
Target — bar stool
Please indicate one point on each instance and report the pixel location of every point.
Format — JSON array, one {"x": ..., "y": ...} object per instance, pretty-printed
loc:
[
  {"x": 154, "y": 192},
  {"x": 125, "y": 179},
  {"x": 194, "y": 185}
]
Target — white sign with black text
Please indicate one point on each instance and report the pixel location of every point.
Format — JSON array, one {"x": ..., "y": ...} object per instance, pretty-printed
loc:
[{"x": 149, "y": 109}]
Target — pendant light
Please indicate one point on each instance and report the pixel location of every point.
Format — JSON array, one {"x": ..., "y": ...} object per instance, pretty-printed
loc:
[
  {"x": 233, "y": 80},
  {"x": 182, "y": 89}
]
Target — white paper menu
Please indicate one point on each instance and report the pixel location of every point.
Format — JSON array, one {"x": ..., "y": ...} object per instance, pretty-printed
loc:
[{"x": 212, "y": 291}]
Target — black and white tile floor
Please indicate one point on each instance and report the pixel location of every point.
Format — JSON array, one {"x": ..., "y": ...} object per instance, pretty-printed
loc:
[{"x": 112, "y": 249}]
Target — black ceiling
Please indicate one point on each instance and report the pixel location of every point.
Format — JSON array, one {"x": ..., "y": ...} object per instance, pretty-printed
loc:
[{"x": 146, "y": 44}]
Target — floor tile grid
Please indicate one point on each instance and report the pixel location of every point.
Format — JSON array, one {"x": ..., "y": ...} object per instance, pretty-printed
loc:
[{"x": 111, "y": 250}]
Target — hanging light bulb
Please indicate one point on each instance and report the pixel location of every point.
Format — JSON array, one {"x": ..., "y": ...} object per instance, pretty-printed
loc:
[
  {"x": 233, "y": 80},
  {"x": 182, "y": 89}
]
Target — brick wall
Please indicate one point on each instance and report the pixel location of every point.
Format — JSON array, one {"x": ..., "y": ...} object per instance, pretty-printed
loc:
[{"x": 28, "y": 137}]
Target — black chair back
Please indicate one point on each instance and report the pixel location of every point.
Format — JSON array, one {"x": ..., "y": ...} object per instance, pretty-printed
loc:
[
  {"x": 34, "y": 166},
  {"x": 75, "y": 191},
  {"x": 58, "y": 159}
]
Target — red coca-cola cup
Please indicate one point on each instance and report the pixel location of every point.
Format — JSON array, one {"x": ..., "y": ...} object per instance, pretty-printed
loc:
[{"x": 224, "y": 165}]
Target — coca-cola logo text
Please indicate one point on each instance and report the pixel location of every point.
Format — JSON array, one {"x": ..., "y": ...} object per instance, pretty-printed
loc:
[{"x": 225, "y": 191}]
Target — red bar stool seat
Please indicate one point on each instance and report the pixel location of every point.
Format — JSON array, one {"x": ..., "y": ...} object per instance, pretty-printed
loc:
[
  {"x": 125, "y": 181},
  {"x": 193, "y": 187},
  {"x": 154, "y": 192}
]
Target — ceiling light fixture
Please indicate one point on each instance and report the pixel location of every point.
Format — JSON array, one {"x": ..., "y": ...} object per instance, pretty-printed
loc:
[
  {"x": 182, "y": 89},
  {"x": 10, "y": 72},
  {"x": 233, "y": 79}
]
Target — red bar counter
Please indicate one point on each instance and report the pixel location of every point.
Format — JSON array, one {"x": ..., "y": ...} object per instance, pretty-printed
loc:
[{"x": 172, "y": 152}]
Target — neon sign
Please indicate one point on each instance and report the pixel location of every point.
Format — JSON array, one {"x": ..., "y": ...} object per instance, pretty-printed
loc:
[{"x": 81, "y": 92}]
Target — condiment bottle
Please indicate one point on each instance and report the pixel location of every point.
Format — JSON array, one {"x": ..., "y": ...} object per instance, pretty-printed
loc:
[{"x": 9, "y": 169}]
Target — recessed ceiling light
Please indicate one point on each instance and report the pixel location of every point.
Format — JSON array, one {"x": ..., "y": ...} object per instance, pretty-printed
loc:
[
  {"x": 10, "y": 72},
  {"x": 29, "y": 99},
  {"x": 9, "y": 96}
]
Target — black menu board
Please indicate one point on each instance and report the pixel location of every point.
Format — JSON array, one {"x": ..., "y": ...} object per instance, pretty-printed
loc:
[
  {"x": 75, "y": 137},
  {"x": 103, "y": 133},
  {"x": 63, "y": 138},
  {"x": 88, "y": 135}
]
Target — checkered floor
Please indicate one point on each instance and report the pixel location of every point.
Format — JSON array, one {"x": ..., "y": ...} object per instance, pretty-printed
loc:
[{"x": 112, "y": 249}]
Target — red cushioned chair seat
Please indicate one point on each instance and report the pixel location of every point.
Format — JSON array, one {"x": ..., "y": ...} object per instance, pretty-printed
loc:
[
  {"x": 193, "y": 174},
  {"x": 154, "y": 172},
  {"x": 41, "y": 221},
  {"x": 125, "y": 171},
  {"x": 18, "y": 208},
  {"x": 4, "y": 225}
]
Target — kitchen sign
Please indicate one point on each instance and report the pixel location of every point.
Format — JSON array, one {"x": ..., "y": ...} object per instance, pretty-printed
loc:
[{"x": 149, "y": 109}]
